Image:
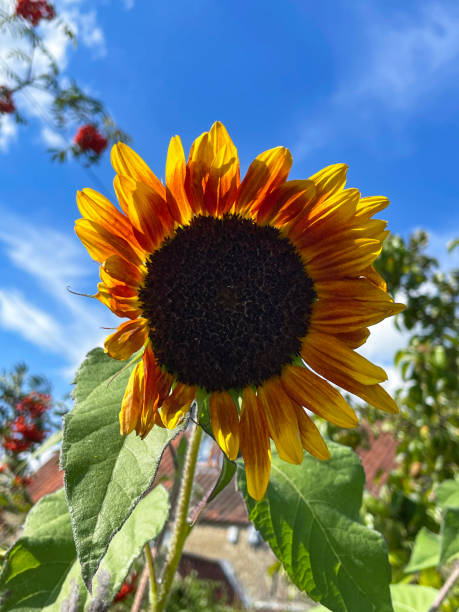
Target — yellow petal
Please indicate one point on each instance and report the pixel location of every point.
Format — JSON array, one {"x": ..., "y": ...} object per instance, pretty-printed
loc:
[
  {"x": 222, "y": 183},
  {"x": 265, "y": 173},
  {"x": 176, "y": 197},
  {"x": 176, "y": 406},
  {"x": 309, "y": 390},
  {"x": 101, "y": 243},
  {"x": 254, "y": 442},
  {"x": 94, "y": 206},
  {"x": 329, "y": 180},
  {"x": 128, "y": 338},
  {"x": 355, "y": 338},
  {"x": 355, "y": 289},
  {"x": 282, "y": 421},
  {"x": 347, "y": 259},
  {"x": 367, "y": 207},
  {"x": 339, "y": 316},
  {"x": 327, "y": 354},
  {"x": 225, "y": 423},
  {"x": 284, "y": 204},
  {"x": 310, "y": 436},
  {"x": 149, "y": 214},
  {"x": 125, "y": 161},
  {"x": 131, "y": 405},
  {"x": 123, "y": 271},
  {"x": 375, "y": 278}
]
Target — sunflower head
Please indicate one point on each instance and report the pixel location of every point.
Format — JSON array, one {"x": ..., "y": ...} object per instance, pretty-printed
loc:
[{"x": 254, "y": 293}]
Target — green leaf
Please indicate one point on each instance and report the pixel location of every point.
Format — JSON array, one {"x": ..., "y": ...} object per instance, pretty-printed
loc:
[
  {"x": 226, "y": 476},
  {"x": 405, "y": 598},
  {"x": 448, "y": 494},
  {"x": 450, "y": 536},
  {"x": 41, "y": 571},
  {"x": 310, "y": 517},
  {"x": 426, "y": 551},
  {"x": 412, "y": 598},
  {"x": 106, "y": 473}
]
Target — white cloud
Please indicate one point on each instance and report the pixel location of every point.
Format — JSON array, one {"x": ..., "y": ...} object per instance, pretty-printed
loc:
[
  {"x": 128, "y": 4},
  {"x": 52, "y": 138},
  {"x": 410, "y": 55},
  {"x": 16, "y": 314},
  {"x": 55, "y": 261},
  {"x": 36, "y": 103},
  {"x": 8, "y": 132}
]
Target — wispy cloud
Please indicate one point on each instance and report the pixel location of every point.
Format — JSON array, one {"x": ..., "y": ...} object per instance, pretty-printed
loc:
[
  {"x": 55, "y": 261},
  {"x": 410, "y": 56},
  {"x": 82, "y": 20}
]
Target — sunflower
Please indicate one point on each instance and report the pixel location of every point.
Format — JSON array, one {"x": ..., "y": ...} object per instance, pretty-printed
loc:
[{"x": 251, "y": 294}]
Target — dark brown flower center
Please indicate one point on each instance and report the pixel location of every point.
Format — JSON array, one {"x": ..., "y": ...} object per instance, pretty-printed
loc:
[{"x": 228, "y": 302}]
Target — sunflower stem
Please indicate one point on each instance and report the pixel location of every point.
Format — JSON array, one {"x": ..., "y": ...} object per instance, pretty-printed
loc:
[
  {"x": 181, "y": 528},
  {"x": 151, "y": 571}
]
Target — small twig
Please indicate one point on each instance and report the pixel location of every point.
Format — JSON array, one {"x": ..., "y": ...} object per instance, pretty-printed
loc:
[
  {"x": 140, "y": 590},
  {"x": 445, "y": 588}
]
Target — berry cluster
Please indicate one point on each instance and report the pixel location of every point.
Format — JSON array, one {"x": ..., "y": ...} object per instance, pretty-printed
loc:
[
  {"x": 27, "y": 427},
  {"x": 6, "y": 102},
  {"x": 34, "y": 11},
  {"x": 88, "y": 138}
]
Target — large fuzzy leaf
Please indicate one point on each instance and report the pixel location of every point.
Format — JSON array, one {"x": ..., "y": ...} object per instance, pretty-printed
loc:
[
  {"x": 106, "y": 474},
  {"x": 41, "y": 570},
  {"x": 310, "y": 517}
]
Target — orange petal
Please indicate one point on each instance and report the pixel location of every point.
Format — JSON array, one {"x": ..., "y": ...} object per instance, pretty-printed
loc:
[
  {"x": 309, "y": 390},
  {"x": 223, "y": 182},
  {"x": 284, "y": 204},
  {"x": 123, "y": 271},
  {"x": 155, "y": 391},
  {"x": 176, "y": 406},
  {"x": 176, "y": 197},
  {"x": 125, "y": 161},
  {"x": 282, "y": 421},
  {"x": 123, "y": 307},
  {"x": 310, "y": 436},
  {"x": 131, "y": 406},
  {"x": 128, "y": 338},
  {"x": 101, "y": 243},
  {"x": 338, "y": 316},
  {"x": 367, "y": 207},
  {"x": 225, "y": 423},
  {"x": 329, "y": 180},
  {"x": 94, "y": 206},
  {"x": 355, "y": 338},
  {"x": 327, "y": 354},
  {"x": 265, "y": 173},
  {"x": 375, "y": 278},
  {"x": 355, "y": 289},
  {"x": 347, "y": 259},
  {"x": 254, "y": 442}
]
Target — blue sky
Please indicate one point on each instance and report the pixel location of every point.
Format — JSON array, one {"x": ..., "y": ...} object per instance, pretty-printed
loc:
[{"x": 371, "y": 84}]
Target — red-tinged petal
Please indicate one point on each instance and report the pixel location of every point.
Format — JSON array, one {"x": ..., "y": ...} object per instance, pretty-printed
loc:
[
  {"x": 101, "y": 243},
  {"x": 265, "y": 173},
  {"x": 284, "y": 204},
  {"x": 176, "y": 196},
  {"x": 121, "y": 270},
  {"x": 282, "y": 421},
  {"x": 128, "y": 339},
  {"x": 94, "y": 206},
  {"x": 326, "y": 353},
  {"x": 176, "y": 406},
  {"x": 225, "y": 423},
  {"x": 127, "y": 162},
  {"x": 254, "y": 443},
  {"x": 309, "y": 390},
  {"x": 131, "y": 405},
  {"x": 310, "y": 436}
]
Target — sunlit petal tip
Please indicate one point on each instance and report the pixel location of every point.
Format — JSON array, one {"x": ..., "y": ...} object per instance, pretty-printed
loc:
[
  {"x": 128, "y": 339},
  {"x": 132, "y": 403}
]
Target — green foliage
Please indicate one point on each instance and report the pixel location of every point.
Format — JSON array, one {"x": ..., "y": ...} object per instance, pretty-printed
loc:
[
  {"x": 428, "y": 424},
  {"x": 41, "y": 571},
  {"x": 310, "y": 518},
  {"x": 106, "y": 473},
  {"x": 191, "y": 594},
  {"x": 426, "y": 551},
  {"x": 405, "y": 598}
]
